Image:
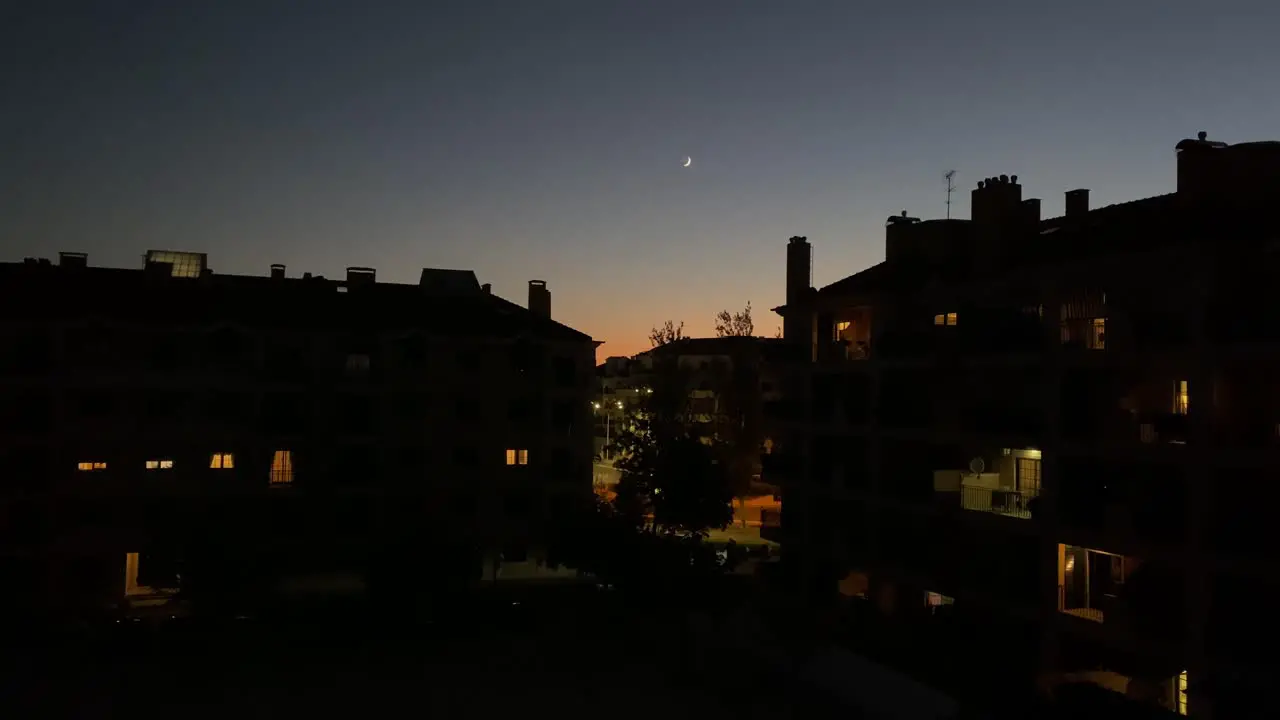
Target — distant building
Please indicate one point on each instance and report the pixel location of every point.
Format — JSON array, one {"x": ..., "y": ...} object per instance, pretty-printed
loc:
[
  {"x": 1047, "y": 444},
  {"x": 287, "y": 426},
  {"x": 709, "y": 365}
]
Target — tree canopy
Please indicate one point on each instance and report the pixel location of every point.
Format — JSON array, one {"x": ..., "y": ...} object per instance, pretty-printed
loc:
[
  {"x": 669, "y": 332},
  {"x": 738, "y": 324}
]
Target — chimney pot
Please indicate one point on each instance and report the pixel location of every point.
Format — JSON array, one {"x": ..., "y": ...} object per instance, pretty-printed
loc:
[
  {"x": 73, "y": 259},
  {"x": 539, "y": 298},
  {"x": 360, "y": 275},
  {"x": 277, "y": 271}
]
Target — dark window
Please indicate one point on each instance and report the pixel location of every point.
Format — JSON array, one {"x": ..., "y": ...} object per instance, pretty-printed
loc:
[
  {"x": 228, "y": 407},
  {"x": 283, "y": 413},
  {"x": 170, "y": 352},
  {"x": 469, "y": 359},
  {"x": 357, "y": 413},
  {"x": 94, "y": 404},
  {"x": 411, "y": 464},
  {"x": 527, "y": 358},
  {"x": 562, "y": 415},
  {"x": 464, "y": 503},
  {"x": 358, "y": 365},
  {"x": 412, "y": 351},
  {"x": 520, "y": 410},
  {"x": 566, "y": 371},
  {"x": 285, "y": 363},
  {"x": 465, "y": 456},
  {"x": 560, "y": 463},
  {"x": 356, "y": 465},
  {"x": 466, "y": 409},
  {"x": 515, "y": 553},
  {"x": 412, "y": 406},
  {"x": 27, "y": 353},
  {"x": 517, "y": 506},
  {"x": 163, "y": 406},
  {"x": 27, "y": 413}
]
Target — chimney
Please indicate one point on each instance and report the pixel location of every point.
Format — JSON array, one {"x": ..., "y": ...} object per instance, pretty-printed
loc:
[
  {"x": 359, "y": 276},
  {"x": 1031, "y": 211},
  {"x": 799, "y": 268},
  {"x": 996, "y": 200},
  {"x": 487, "y": 288},
  {"x": 796, "y": 325},
  {"x": 539, "y": 298},
  {"x": 1077, "y": 202},
  {"x": 73, "y": 259},
  {"x": 277, "y": 272}
]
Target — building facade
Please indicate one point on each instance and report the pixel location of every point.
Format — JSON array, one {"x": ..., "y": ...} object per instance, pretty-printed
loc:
[
  {"x": 172, "y": 429},
  {"x": 1061, "y": 430}
]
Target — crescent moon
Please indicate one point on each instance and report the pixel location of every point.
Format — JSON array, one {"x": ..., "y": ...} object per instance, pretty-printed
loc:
[{"x": 688, "y": 161}]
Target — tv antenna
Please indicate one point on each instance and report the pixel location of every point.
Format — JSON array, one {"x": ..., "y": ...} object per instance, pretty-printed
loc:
[{"x": 950, "y": 177}]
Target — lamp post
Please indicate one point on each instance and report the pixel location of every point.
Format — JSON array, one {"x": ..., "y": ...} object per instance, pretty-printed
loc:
[{"x": 607, "y": 418}]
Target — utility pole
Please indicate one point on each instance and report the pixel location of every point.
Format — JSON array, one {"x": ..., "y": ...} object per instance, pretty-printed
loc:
[{"x": 950, "y": 177}]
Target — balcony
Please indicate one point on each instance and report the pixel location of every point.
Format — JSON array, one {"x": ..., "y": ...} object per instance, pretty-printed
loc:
[
  {"x": 999, "y": 501},
  {"x": 1011, "y": 490},
  {"x": 1078, "y": 608}
]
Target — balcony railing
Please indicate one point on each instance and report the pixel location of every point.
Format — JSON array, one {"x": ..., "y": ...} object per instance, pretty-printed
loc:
[
  {"x": 843, "y": 350},
  {"x": 1079, "y": 610},
  {"x": 999, "y": 501}
]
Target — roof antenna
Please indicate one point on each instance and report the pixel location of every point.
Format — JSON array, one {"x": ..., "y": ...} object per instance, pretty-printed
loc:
[{"x": 950, "y": 177}]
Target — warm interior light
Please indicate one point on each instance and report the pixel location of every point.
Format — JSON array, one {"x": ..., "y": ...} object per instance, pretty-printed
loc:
[{"x": 282, "y": 468}]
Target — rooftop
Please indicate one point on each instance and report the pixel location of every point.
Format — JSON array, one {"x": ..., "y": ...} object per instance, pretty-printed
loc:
[{"x": 444, "y": 302}]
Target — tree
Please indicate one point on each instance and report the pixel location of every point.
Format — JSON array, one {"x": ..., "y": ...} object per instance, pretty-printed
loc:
[
  {"x": 672, "y": 482},
  {"x": 668, "y": 333},
  {"x": 737, "y": 324},
  {"x": 739, "y": 422}
]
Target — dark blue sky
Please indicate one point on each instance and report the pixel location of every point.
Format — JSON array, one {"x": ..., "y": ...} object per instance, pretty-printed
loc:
[{"x": 543, "y": 138}]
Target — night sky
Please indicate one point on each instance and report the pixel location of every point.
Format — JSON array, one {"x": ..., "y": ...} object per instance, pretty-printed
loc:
[{"x": 544, "y": 138}]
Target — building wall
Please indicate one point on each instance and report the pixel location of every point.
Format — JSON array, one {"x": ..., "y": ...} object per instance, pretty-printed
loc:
[{"x": 396, "y": 435}]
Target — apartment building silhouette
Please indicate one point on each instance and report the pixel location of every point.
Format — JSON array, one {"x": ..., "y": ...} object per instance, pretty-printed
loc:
[
  {"x": 170, "y": 427},
  {"x": 1042, "y": 451}
]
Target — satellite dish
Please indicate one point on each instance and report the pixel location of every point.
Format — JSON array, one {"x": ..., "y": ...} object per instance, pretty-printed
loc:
[{"x": 977, "y": 466}]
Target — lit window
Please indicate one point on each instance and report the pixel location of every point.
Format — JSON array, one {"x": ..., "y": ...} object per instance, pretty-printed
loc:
[
  {"x": 944, "y": 319},
  {"x": 1181, "y": 398},
  {"x": 511, "y": 456},
  {"x": 517, "y": 457},
  {"x": 1098, "y": 334},
  {"x": 282, "y": 468},
  {"x": 184, "y": 264},
  {"x": 159, "y": 464},
  {"x": 91, "y": 466},
  {"x": 840, "y": 328},
  {"x": 222, "y": 461},
  {"x": 1182, "y": 693}
]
